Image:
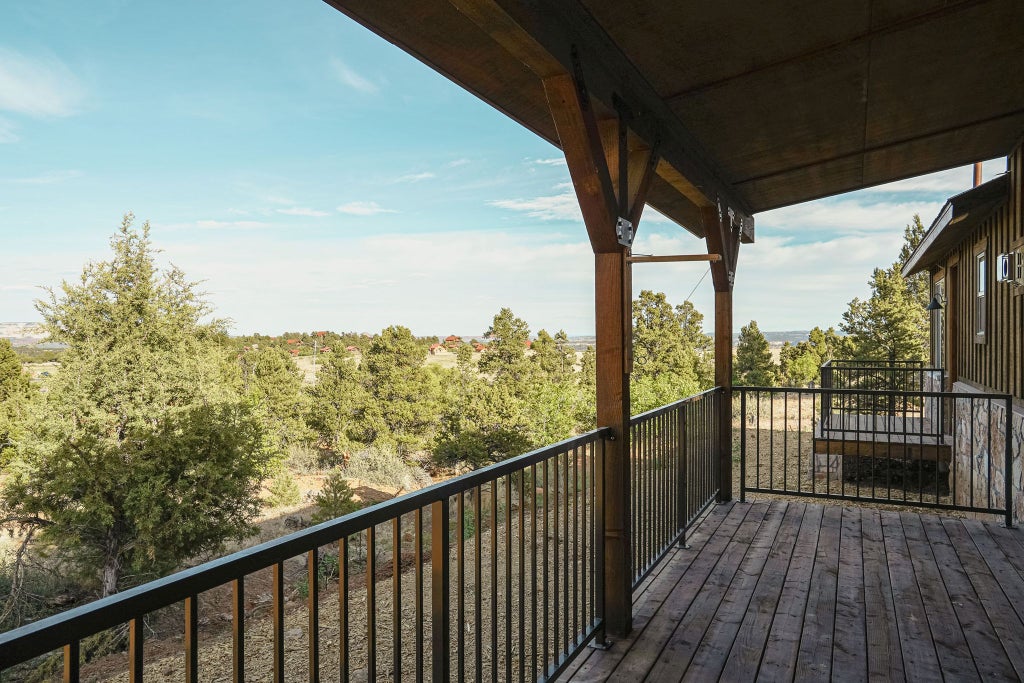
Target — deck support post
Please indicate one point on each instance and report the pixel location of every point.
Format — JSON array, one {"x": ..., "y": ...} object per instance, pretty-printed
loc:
[
  {"x": 611, "y": 171},
  {"x": 723, "y": 237},
  {"x": 610, "y": 278}
]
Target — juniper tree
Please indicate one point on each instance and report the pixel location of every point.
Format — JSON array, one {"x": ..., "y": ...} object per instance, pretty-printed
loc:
[
  {"x": 402, "y": 404},
  {"x": 15, "y": 394},
  {"x": 274, "y": 383},
  {"x": 337, "y": 402},
  {"x": 144, "y": 452},
  {"x": 670, "y": 352}
]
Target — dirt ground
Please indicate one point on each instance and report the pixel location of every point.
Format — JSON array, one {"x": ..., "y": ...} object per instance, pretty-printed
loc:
[{"x": 517, "y": 558}]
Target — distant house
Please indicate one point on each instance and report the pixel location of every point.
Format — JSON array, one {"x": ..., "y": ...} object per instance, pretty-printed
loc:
[
  {"x": 452, "y": 342},
  {"x": 294, "y": 341},
  {"x": 528, "y": 344},
  {"x": 326, "y": 349},
  {"x": 352, "y": 348},
  {"x": 434, "y": 348},
  {"x": 478, "y": 347}
]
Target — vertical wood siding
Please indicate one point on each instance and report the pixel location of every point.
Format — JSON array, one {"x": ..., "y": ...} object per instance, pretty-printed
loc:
[{"x": 998, "y": 363}]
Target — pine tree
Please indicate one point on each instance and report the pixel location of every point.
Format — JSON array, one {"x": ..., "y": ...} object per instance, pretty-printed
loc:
[
  {"x": 144, "y": 453},
  {"x": 754, "y": 365},
  {"x": 892, "y": 324}
]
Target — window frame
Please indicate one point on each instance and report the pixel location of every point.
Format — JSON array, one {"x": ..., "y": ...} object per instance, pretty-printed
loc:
[{"x": 981, "y": 291}]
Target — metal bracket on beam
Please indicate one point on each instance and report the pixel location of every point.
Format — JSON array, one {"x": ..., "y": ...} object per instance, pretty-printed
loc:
[{"x": 624, "y": 232}]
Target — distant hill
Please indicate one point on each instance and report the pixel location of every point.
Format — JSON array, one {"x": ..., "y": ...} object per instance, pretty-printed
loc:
[
  {"x": 775, "y": 338},
  {"x": 22, "y": 334},
  {"x": 779, "y": 337}
]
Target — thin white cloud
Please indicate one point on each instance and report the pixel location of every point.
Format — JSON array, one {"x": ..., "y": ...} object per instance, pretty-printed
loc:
[
  {"x": 563, "y": 207},
  {"x": 558, "y": 207},
  {"x": 38, "y": 86},
  {"x": 48, "y": 178},
  {"x": 949, "y": 182},
  {"x": 455, "y": 163},
  {"x": 347, "y": 76},
  {"x": 366, "y": 283},
  {"x": 231, "y": 225},
  {"x": 554, "y": 161},
  {"x": 847, "y": 216},
  {"x": 302, "y": 211},
  {"x": 364, "y": 209},
  {"x": 414, "y": 177}
]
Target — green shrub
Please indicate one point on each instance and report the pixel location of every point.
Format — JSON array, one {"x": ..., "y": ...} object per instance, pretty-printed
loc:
[
  {"x": 283, "y": 490},
  {"x": 335, "y": 499},
  {"x": 384, "y": 467}
]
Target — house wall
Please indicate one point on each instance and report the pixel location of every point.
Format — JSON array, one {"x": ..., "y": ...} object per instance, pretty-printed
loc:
[
  {"x": 979, "y": 453},
  {"x": 996, "y": 363}
]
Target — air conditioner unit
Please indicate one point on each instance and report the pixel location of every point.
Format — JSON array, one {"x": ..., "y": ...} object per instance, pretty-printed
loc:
[{"x": 1010, "y": 268}]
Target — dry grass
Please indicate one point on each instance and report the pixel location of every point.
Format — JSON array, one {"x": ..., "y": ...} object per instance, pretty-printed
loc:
[
  {"x": 515, "y": 549},
  {"x": 780, "y": 455}
]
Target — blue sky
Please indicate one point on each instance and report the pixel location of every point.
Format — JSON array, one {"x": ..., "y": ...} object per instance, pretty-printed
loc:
[{"x": 317, "y": 177}]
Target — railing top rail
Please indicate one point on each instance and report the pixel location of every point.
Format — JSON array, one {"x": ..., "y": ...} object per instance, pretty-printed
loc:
[
  {"x": 875, "y": 363},
  {"x": 876, "y": 392},
  {"x": 39, "y": 637},
  {"x": 654, "y": 412}
]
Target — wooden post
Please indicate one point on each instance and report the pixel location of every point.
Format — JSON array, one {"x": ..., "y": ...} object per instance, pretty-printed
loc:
[
  {"x": 597, "y": 164},
  {"x": 721, "y": 239},
  {"x": 723, "y": 378},
  {"x": 610, "y": 279}
]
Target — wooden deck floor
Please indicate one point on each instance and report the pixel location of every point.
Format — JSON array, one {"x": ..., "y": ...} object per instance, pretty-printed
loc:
[{"x": 790, "y": 591}]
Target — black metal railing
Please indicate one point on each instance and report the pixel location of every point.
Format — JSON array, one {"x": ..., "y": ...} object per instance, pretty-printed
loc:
[
  {"x": 518, "y": 590},
  {"x": 862, "y": 408},
  {"x": 674, "y": 469},
  {"x": 791, "y": 443}
]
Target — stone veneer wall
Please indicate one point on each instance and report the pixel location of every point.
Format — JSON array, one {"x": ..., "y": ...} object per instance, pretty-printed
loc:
[
  {"x": 930, "y": 413},
  {"x": 989, "y": 434}
]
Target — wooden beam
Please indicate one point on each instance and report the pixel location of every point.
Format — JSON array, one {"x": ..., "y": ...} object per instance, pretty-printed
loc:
[
  {"x": 499, "y": 25},
  {"x": 720, "y": 240},
  {"x": 677, "y": 258},
  {"x": 584, "y": 154},
  {"x": 642, "y": 165},
  {"x": 568, "y": 34}
]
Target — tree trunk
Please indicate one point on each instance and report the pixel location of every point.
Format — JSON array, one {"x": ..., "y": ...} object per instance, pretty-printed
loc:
[{"x": 111, "y": 571}]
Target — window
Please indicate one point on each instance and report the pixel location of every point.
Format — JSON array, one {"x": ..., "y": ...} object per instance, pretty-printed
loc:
[{"x": 979, "y": 297}]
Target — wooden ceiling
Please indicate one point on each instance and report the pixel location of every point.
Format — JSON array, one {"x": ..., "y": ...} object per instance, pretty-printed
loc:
[{"x": 752, "y": 105}]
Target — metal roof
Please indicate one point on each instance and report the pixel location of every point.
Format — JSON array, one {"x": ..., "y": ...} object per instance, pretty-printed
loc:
[{"x": 754, "y": 105}]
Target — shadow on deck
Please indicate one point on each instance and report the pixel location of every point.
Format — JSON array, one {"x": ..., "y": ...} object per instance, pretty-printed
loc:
[{"x": 782, "y": 590}]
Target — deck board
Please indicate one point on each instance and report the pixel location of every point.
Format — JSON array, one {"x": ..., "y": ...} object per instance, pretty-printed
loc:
[
  {"x": 849, "y": 658},
  {"x": 748, "y": 645},
  {"x": 793, "y": 591}
]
